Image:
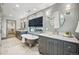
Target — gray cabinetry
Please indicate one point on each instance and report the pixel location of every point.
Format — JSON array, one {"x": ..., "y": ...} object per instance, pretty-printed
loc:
[
  {"x": 43, "y": 47},
  {"x": 60, "y": 47},
  {"x": 52, "y": 46},
  {"x": 70, "y": 48},
  {"x": 19, "y": 33}
]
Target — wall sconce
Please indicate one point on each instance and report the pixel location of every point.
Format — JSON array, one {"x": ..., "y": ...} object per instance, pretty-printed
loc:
[{"x": 47, "y": 13}]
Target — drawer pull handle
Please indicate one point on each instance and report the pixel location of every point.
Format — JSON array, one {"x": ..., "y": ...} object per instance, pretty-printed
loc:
[{"x": 69, "y": 46}]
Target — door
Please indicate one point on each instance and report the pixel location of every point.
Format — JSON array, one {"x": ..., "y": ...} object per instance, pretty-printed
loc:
[{"x": 11, "y": 28}]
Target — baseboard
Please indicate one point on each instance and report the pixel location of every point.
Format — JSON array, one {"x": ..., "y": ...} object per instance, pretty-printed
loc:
[{"x": 4, "y": 38}]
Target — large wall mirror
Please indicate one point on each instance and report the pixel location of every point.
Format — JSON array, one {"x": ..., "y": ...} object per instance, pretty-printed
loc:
[
  {"x": 58, "y": 20},
  {"x": 23, "y": 23},
  {"x": 36, "y": 24}
]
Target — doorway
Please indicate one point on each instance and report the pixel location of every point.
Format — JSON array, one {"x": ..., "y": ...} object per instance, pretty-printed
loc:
[{"x": 11, "y": 28}]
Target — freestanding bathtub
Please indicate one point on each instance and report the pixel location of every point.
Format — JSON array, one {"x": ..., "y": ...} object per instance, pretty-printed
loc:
[{"x": 30, "y": 39}]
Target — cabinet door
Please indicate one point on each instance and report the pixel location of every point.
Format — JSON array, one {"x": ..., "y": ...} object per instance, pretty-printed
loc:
[
  {"x": 40, "y": 45},
  {"x": 55, "y": 47},
  {"x": 50, "y": 47},
  {"x": 60, "y": 48},
  {"x": 71, "y": 47},
  {"x": 70, "y": 53},
  {"x": 43, "y": 45}
]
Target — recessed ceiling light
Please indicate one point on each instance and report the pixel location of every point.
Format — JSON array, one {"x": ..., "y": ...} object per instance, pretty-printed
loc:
[
  {"x": 10, "y": 14},
  {"x": 50, "y": 4},
  {"x": 29, "y": 11},
  {"x": 17, "y": 5},
  {"x": 26, "y": 13},
  {"x": 35, "y": 9}
]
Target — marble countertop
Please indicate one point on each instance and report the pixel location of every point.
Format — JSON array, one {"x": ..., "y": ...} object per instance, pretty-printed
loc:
[
  {"x": 60, "y": 37},
  {"x": 21, "y": 30},
  {"x": 30, "y": 36}
]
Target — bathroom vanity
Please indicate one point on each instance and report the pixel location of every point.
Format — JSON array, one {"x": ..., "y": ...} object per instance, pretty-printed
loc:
[
  {"x": 50, "y": 44},
  {"x": 20, "y": 32}
]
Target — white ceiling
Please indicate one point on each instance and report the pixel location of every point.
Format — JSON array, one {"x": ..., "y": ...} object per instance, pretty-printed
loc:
[{"x": 12, "y": 12}]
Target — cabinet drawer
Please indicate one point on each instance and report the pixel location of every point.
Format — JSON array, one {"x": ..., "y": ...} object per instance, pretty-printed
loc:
[
  {"x": 43, "y": 51},
  {"x": 70, "y": 47},
  {"x": 70, "y": 53}
]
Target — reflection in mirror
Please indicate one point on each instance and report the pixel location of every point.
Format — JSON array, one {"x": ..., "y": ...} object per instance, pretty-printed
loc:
[
  {"x": 56, "y": 20},
  {"x": 77, "y": 28},
  {"x": 62, "y": 20}
]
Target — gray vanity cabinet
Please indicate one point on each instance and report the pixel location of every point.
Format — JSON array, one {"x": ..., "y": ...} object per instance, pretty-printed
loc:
[
  {"x": 55, "y": 47},
  {"x": 70, "y": 48},
  {"x": 60, "y": 47},
  {"x": 43, "y": 45},
  {"x": 52, "y": 46}
]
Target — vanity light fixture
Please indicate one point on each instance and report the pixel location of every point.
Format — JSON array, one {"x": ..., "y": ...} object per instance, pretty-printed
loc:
[{"x": 47, "y": 13}]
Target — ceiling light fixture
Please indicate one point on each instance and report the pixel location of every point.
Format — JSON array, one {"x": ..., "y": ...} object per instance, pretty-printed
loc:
[
  {"x": 68, "y": 7},
  {"x": 17, "y": 5},
  {"x": 35, "y": 9},
  {"x": 10, "y": 14},
  {"x": 50, "y": 4},
  {"x": 26, "y": 13}
]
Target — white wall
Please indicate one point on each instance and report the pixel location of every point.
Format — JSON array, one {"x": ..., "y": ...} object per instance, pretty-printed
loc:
[
  {"x": 3, "y": 28},
  {"x": 18, "y": 24},
  {"x": 70, "y": 20},
  {"x": 26, "y": 20}
]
